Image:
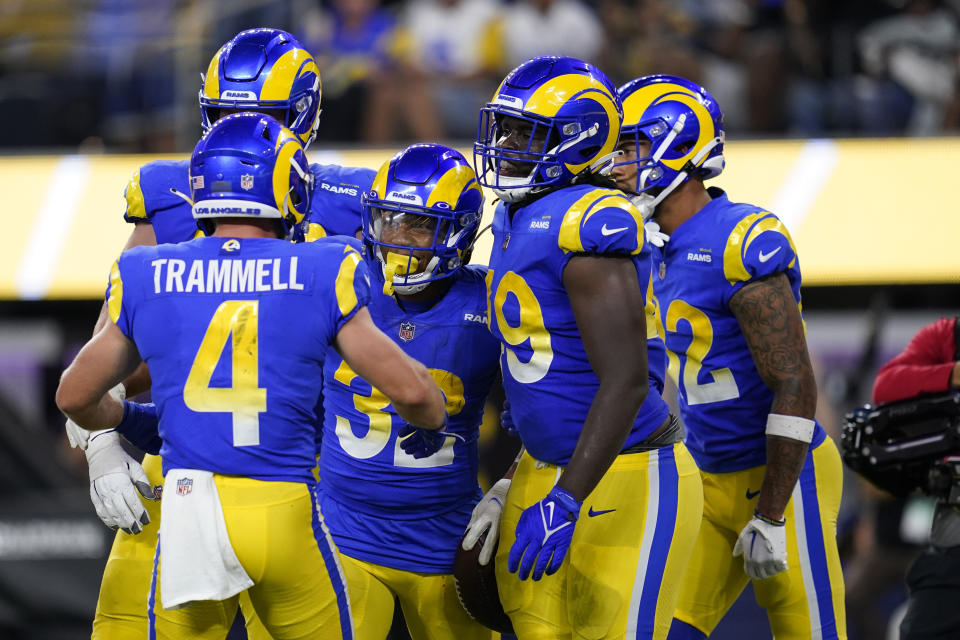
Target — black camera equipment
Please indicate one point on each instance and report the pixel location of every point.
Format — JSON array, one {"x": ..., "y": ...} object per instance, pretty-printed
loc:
[{"x": 907, "y": 445}]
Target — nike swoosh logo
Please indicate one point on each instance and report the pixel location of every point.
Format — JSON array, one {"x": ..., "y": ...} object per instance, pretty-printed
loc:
[
  {"x": 752, "y": 494},
  {"x": 766, "y": 256},
  {"x": 593, "y": 513},
  {"x": 610, "y": 232}
]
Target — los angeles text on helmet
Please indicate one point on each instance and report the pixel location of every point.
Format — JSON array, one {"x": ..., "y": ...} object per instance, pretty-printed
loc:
[{"x": 225, "y": 276}]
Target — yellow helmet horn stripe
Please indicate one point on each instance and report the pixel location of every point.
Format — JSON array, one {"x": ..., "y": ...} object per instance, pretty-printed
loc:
[
  {"x": 379, "y": 185},
  {"x": 211, "y": 81},
  {"x": 643, "y": 98},
  {"x": 287, "y": 145},
  {"x": 452, "y": 184},
  {"x": 552, "y": 95},
  {"x": 285, "y": 71}
]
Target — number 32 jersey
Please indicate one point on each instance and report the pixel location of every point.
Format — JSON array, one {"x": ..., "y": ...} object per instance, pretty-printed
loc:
[
  {"x": 724, "y": 401},
  {"x": 366, "y": 479},
  {"x": 546, "y": 374},
  {"x": 235, "y": 333}
]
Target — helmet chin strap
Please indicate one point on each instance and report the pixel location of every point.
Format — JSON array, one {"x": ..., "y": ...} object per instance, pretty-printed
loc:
[{"x": 645, "y": 203}]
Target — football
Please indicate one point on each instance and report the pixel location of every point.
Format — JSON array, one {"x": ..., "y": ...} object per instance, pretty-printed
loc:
[{"x": 477, "y": 588}]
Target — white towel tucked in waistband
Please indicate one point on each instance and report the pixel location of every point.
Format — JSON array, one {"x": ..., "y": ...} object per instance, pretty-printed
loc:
[{"x": 196, "y": 559}]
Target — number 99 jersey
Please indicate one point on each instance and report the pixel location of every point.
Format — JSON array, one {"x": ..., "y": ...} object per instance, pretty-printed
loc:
[
  {"x": 546, "y": 374},
  {"x": 237, "y": 384},
  {"x": 724, "y": 401}
]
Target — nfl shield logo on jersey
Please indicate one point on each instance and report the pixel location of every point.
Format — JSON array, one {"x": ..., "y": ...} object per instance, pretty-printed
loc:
[
  {"x": 246, "y": 182},
  {"x": 184, "y": 486},
  {"x": 406, "y": 331}
]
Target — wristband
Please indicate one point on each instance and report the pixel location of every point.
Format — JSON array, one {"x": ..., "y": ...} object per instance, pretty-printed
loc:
[
  {"x": 763, "y": 518},
  {"x": 140, "y": 425},
  {"x": 793, "y": 427},
  {"x": 566, "y": 499}
]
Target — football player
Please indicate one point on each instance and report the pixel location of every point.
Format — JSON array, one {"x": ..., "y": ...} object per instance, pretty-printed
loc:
[
  {"x": 397, "y": 499},
  {"x": 603, "y": 507},
  {"x": 728, "y": 288},
  {"x": 235, "y": 329},
  {"x": 264, "y": 70}
]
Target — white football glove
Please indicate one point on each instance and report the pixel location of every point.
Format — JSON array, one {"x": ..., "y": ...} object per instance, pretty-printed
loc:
[
  {"x": 486, "y": 517},
  {"x": 764, "y": 548},
  {"x": 77, "y": 435},
  {"x": 113, "y": 476},
  {"x": 654, "y": 236}
]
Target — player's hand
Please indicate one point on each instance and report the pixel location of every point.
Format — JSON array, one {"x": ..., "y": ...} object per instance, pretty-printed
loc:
[
  {"x": 486, "y": 517},
  {"x": 115, "y": 479},
  {"x": 423, "y": 443},
  {"x": 763, "y": 544},
  {"x": 654, "y": 236},
  {"x": 77, "y": 435},
  {"x": 506, "y": 420},
  {"x": 543, "y": 535}
]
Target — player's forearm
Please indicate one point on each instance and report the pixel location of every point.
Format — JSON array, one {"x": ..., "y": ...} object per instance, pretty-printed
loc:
[
  {"x": 420, "y": 403},
  {"x": 605, "y": 430},
  {"x": 785, "y": 459},
  {"x": 98, "y": 413}
]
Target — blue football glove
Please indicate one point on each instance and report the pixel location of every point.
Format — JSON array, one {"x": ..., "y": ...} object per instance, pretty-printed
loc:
[
  {"x": 544, "y": 533},
  {"x": 423, "y": 443},
  {"x": 506, "y": 420}
]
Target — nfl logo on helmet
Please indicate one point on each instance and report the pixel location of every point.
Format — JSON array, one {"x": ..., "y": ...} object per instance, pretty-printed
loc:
[
  {"x": 246, "y": 182},
  {"x": 406, "y": 331},
  {"x": 184, "y": 486}
]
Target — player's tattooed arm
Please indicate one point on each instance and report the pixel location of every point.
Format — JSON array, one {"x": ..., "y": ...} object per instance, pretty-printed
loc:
[{"x": 771, "y": 324}]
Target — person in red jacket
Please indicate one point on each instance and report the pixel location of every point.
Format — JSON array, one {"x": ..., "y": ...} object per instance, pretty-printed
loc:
[{"x": 930, "y": 364}]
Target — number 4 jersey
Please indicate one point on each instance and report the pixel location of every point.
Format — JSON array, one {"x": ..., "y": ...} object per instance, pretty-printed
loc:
[
  {"x": 546, "y": 374},
  {"x": 710, "y": 257},
  {"x": 235, "y": 332}
]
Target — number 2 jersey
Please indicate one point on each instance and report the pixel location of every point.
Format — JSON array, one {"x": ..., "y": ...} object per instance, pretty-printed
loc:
[
  {"x": 724, "y": 401},
  {"x": 235, "y": 333},
  {"x": 151, "y": 196},
  {"x": 366, "y": 478},
  {"x": 546, "y": 374}
]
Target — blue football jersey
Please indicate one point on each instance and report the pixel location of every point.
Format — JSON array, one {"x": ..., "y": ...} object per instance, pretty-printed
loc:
[
  {"x": 150, "y": 196},
  {"x": 235, "y": 333},
  {"x": 364, "y": 474},
  {"x": 546, "y": 374},
  {"x": 656, "y": 345},
  {"x": 711, "y": 256}
]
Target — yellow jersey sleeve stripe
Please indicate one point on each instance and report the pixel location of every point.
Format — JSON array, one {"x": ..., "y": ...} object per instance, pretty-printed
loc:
[
  {"x": 133, "y": 194},
  {"x": 569, "y": 239},
  {"x": 115, "y": 295},
  {"x": 346, "y": 294},
  {"x": 739, "y": 240}
]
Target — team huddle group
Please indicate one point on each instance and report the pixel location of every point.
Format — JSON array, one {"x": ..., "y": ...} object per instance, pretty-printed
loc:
[{"x": 319, "y": 351}]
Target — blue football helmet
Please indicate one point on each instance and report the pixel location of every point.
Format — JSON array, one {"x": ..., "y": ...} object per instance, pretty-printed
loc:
[
  {"x": 264, "y": 70},
  {"x": 421, "y": 215},
  {"x": 550, "y": 120},
  {"x": 248, "y": 165},
  {"x": 684, "y": 125}
]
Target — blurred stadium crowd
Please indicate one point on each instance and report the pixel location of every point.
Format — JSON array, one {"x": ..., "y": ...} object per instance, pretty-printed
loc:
[{"x": 120, "y": 75}]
